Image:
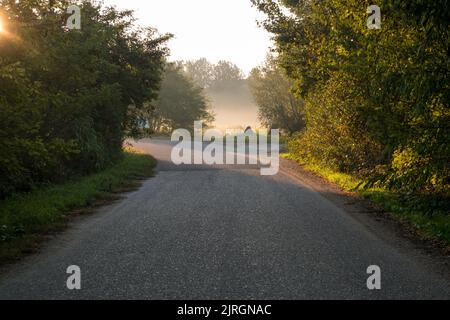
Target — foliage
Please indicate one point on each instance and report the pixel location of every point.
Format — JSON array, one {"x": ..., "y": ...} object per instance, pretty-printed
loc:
[
  {"x": 278, "y": 107},
  {"x": 65, "y": 95},
  {"x": 201, "y": 71},
  {"x": 220, "y": 76},
  {"x": 376, "y": 100},
  {"x": 226, "y": 75},
  {"x": 180, "y": 103}
]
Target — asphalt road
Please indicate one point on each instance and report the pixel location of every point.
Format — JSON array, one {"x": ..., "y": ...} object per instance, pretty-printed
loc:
[{"x": 195, "y": 232}]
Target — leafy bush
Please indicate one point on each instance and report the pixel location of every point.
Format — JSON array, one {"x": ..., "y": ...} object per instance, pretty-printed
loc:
[
  {"x": 376, "y": 100},
  {"x": 65, "y": 94}
]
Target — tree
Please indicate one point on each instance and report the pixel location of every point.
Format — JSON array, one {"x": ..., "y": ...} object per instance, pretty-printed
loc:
[
  {"x": 222, "y": 75},
  {"x": 201, "y": 71},
  {"x": 180, "y": 103},
  {"x": 65, "y": 94},
  {"x": 226, "y": 74},
  {"x": 278, "y": 107},
  {"x": 376, "y": 101}
]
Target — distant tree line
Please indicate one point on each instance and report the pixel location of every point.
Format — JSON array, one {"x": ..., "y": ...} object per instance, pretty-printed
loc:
[
  {"x": 278, "y": 107},
  {"x": 180, "y": 102},
  {"x": 375, "y": 102},
  {"x": 219, "y": 76}
]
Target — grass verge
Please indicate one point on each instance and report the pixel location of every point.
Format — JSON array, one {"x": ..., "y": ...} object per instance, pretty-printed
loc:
[
  {"x": 26, "y": 218},
  {"x": 434, "y": 227}
]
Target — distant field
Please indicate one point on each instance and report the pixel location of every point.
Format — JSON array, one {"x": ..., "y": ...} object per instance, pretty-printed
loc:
[{"x": 234, "y": 108}]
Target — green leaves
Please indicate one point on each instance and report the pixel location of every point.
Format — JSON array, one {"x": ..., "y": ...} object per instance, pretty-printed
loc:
[
  {"x": 65, "y": 95},
  {"x": 374, "y": 98},
  {"x": 180, "y": 103},
  {"x": 278, "y": 107}
]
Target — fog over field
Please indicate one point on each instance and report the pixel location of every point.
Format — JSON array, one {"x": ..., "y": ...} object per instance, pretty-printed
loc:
[{"x": 234, "y": 108}]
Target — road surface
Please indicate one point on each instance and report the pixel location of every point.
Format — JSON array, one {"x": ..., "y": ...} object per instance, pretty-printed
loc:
[{"x": 196, "y": 232}]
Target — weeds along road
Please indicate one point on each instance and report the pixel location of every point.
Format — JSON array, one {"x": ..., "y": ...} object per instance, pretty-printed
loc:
[{"x": 197, "y": 232}]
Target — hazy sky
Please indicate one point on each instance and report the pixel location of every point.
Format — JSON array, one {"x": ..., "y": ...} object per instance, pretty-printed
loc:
[{"x": 215, "y": 29}]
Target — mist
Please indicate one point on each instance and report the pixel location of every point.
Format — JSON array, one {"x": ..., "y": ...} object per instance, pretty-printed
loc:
[{"x": 234, "y": 107}]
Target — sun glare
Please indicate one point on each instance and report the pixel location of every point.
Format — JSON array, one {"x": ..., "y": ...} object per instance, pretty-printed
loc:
[{"x": 1, "y": 25}]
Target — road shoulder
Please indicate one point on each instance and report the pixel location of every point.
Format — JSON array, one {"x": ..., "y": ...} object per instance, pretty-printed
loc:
[{"x": 374, "y": 218}]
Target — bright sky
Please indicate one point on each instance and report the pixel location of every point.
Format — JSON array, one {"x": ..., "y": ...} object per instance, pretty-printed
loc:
[{"x": 214, "y": 29}]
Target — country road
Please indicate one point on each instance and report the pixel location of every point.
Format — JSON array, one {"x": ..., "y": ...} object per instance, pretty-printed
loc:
[{"x": 226, "y": 232}]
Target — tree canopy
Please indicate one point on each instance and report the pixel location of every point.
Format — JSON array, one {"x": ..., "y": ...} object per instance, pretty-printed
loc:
[
  {"x": 65, "y": 95},
  {"x": 277, "y": 105},
  {"x": 219, "y": 76},
  {"x": 376, "y": 101},
  {"x": 180, "y": 103}
]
